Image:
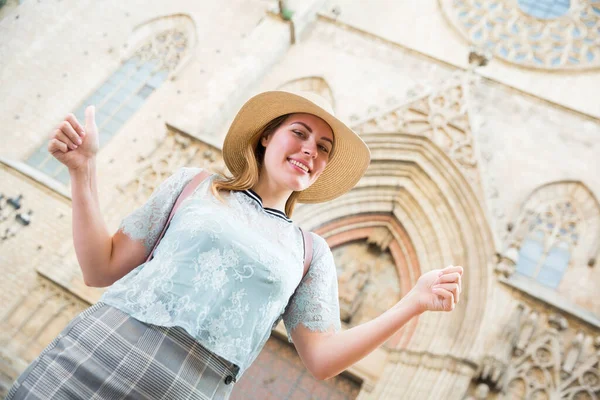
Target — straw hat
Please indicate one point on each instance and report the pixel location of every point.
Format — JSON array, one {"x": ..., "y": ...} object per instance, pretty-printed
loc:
[{"x": 347, "y": 164}]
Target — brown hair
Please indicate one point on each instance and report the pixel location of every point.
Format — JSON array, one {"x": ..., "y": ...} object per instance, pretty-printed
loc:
[{"x": 254, "y": 157}]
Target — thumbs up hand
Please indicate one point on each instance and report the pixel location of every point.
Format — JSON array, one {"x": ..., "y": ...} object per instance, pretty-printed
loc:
[{"x": 72, "y": 144}]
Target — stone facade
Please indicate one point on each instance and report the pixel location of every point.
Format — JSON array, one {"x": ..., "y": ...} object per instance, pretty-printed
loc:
[{"x": 484, "y": 142}]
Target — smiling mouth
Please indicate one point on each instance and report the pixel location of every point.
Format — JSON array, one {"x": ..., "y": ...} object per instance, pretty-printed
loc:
[{"x": 299, "y": 165}]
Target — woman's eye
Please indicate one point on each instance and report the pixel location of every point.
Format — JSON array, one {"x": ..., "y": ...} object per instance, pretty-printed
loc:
[
  {"x": 325, "y": 149},
  {"x": 299, "y": 133}
]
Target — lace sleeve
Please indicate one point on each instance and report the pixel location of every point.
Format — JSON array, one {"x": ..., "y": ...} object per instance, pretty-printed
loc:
[
  {"x": 146, "y": 222},
  {"x": 315, "y": 302}
]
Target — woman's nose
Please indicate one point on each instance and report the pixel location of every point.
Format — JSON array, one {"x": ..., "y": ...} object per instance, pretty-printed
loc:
[
  {"x": 309, "y": 153},
  {"x": 310, "y": 150}
]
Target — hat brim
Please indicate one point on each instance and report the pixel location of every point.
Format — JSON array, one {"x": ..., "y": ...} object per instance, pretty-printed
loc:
[{"x": 350, "y": 158}]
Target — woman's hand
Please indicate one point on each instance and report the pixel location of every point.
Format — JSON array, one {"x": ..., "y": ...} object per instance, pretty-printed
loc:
[
  {"x": 438, "y": 290},
  {"x": 73, "y": 145}
]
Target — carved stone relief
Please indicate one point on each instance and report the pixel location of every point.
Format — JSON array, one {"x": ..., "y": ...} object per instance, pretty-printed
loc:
[
  {"x": 175, "y": 151},
  {"x": 538, "y": 356},
  {"x": 440, "y": 114},
  {"x": 368, "y": 281},
  {"x": 168, "y": 48}
]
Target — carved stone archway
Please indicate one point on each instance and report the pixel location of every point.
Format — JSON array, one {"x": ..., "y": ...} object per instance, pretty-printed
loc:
[{"x": 424, "y": 175}]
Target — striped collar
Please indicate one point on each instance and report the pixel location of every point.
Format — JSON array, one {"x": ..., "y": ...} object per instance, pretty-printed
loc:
[{"x": 254, "y": 196}]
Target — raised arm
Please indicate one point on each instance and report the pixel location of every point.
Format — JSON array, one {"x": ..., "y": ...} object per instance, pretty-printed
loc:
[
  {"x": 91, "y": 239},
  {"x": 312, "y": 316},
  {"x": 103, "y": 258},
  {"x": 76, "y": 148},
  {"x": 137, "y": 234}
]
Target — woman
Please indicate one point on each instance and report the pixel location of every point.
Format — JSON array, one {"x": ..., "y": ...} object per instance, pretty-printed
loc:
[{"x": 188, "y": 322}]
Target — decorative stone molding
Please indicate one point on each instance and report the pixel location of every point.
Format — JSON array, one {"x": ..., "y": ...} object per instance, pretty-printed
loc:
[
  {"x": 413, "y": 374},
  {"x": 445, "y": 362},
  {"x": 550, "y": 297},
  {"x": 381, "y": 238},
  {"x": 538, "y": 356},
  {"x": 37, "y": 176},
  {"x": 568, "y": 42},
  {"x": 35, "y": 319},
  {"x": 508, "y": 261}
]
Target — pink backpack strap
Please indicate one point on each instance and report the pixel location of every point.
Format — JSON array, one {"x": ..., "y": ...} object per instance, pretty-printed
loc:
[
  {"x": 189, "y": 189},
  {"x": 308, "y": 250}
]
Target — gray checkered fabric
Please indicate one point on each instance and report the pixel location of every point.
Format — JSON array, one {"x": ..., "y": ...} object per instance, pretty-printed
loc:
[{"x": 104, "y": 353}]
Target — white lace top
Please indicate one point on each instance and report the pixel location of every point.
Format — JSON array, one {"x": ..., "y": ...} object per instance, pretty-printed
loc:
[{"x": 226, "y": 273}]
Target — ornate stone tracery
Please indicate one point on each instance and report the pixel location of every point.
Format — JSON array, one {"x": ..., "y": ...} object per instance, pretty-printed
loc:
[
  {"x": 167, "y": 48},
  {"x": 167, "y": 40},
  {"x": 441, "y": 115},
  {"x": 175, "y": 151},
  {"x": 537, "y": 356},
  {"x": 562, "y": 214},
  {"x": 571, "y": 41}
]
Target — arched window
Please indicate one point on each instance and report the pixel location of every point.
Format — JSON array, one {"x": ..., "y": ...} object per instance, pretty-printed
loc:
[
  {"x": 123, "y": 93},
  {"x": 314, "y": 84},
  {"x": 532, "y": 250},
  {"x": 552, "y": 234},
  {"x": 555, "y": 265}
]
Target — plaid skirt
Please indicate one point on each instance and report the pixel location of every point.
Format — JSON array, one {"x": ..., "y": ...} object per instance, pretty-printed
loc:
[{"x": 104, "y": 353}]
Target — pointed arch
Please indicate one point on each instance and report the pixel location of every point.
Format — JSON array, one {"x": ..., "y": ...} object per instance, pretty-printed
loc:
[
  {"x": 315, "y": 84},
  {"x": 557, "y": 228},
  {"x": 154, "y": 52},
  {"x": 153, "y": 39},
  {"x": 415, "y": 183}
]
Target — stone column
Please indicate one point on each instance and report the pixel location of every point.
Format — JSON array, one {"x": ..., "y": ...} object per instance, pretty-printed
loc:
[{"x": 422, "y": 375}]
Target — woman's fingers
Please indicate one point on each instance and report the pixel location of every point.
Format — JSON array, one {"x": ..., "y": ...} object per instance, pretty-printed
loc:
[
  {"x": 72, "y": 119},
  {"x": 448, "y": 298},
  {"x": 61, "y": 136},
  {"x": 56, "y": 145},
  {"x": 453, "y": 277},
  {"x": 451, "y": 287},
  {"x": 452, "y": 268},
  {"x": 66, "y": 128}
]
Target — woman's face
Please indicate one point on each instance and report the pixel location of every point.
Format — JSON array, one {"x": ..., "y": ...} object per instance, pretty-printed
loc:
[{"x": 297, "y": 152}]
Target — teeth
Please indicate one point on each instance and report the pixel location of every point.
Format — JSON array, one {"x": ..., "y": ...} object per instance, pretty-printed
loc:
[{"x": 299, "y": 165}]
